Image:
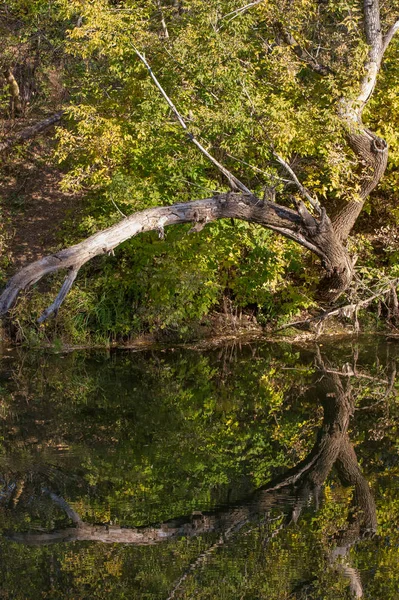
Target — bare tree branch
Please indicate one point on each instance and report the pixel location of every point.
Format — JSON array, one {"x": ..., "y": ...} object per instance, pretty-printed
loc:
[
  {"x": 234, "y": 182},
  {"x": 63, "y": 504},
  {"x": 347, "y": 311},
  {"x": 302, "y": 54},
  {"x": 199, "y": 561},
  {"x": 66, "y": 286},
  {"x": 313, "y": 201},
  {"x": 389, "y": 35},
  {"x": 234, "y": 13},
  {"x": 163, "y": 22}
]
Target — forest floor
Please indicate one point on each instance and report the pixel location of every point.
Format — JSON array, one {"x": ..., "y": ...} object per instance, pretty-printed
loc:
[{"x": 34, "y": 206}]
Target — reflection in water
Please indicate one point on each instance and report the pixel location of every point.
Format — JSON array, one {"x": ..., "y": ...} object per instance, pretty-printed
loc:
[{"x": 215, "y": 419}]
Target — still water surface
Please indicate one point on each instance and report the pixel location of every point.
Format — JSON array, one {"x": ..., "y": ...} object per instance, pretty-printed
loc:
[{"x": 260, "y": 472}]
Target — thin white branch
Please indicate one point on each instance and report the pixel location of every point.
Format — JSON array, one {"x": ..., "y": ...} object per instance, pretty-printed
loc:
[
  {"x": 269, "y": 175},
  {"x": 163, "y": 22},
  {"x": 234, "y": 182},
  {"x": 313, "y": 201},
  {"x": 241, "y": 10},
  {"x": 117, "y": 208},
  {"x": 388, "y": 37}
]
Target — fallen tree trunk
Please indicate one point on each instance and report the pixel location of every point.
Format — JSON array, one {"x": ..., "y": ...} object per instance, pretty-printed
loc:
[
  {"x": 317, "y": 235},
  {"x": 32, "y": 131}
]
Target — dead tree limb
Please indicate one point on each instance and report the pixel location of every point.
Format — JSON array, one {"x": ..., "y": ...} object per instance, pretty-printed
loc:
[
  {"x": 347, "y": 310},
  {"x": 15, "y": 94},
  {"x": 301, "y": 53},
  {"x": 31, "y": 131},
  {"x": 314, "y": 234}
]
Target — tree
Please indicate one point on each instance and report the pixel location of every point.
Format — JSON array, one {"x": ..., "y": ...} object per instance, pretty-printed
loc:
[{"x": 279, "y": 61}]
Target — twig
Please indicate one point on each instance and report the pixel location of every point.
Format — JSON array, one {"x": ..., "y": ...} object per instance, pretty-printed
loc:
[
  {"x": 270, "y": 175},
  {"x": 313, "y": 201},
  {"x": 234, "y": 182},
  {"x": 224, "y": 537},
  {"x": 117, "y": 208},
  {"x": 388, "y": 37},
  {"x": 163, "y": 22},
  {"x": 341, "y": 373},
  {"x": 345, "y": 310},
  {"x": 234, "y": 13}
]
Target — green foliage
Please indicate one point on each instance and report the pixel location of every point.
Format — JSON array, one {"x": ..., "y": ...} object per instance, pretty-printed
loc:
[
  {"x": 243, "y": 91},
  {"x": 137, "y": 438}
]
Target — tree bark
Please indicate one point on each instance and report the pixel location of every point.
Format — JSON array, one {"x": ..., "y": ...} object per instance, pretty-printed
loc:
[
  {"x": 372, "y": 153},
  {"x": 314, "y": 234},
  {"x": 15, "y": 95}
]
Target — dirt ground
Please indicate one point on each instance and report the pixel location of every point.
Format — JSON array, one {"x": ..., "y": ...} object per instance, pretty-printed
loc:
[{"x": 33, "y": 205}]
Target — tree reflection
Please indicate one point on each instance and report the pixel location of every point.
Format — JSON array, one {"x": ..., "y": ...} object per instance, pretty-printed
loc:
[{"x": 293, "y": 491}]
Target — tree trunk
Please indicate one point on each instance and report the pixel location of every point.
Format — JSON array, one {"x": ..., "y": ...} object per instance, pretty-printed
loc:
[
  {"x": 372, "y": 153},
  {"x": 314, "y": 234},
  {"x": 15, "y": 96}
]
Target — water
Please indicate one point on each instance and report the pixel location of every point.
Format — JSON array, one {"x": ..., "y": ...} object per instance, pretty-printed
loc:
[{"x": 261, "y": 472}]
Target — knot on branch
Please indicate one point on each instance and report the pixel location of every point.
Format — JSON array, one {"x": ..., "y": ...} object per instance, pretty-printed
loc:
[
  {"x": 379, "y": 145},
  {"x": 324, "y": 223},
  {"x": 247, "y": 198},
  {"x": 199, "y": 223}
]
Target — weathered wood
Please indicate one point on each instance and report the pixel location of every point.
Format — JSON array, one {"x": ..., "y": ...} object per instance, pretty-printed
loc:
[
  {"x": 32, "y": 131},
  {"x": 15, "y": 94},
  {"x": 314, "y": 234}
]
